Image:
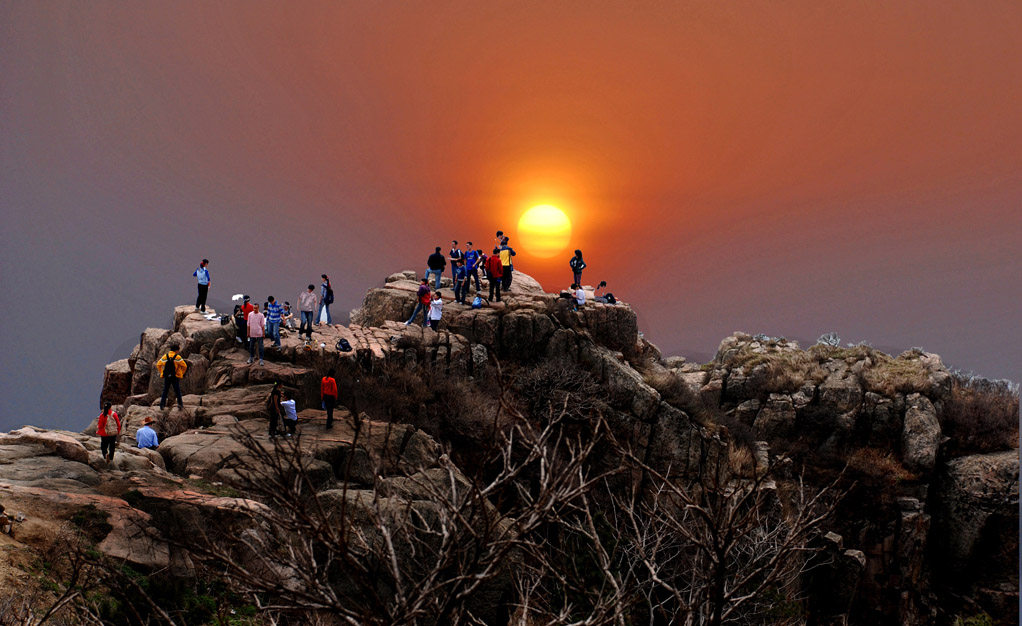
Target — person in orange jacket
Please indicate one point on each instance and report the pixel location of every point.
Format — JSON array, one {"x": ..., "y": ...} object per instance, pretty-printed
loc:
[
  {"x": 171, "y": 375},
  {"x": 328, "y": 391},
  {"x": 108, "y": 428}
]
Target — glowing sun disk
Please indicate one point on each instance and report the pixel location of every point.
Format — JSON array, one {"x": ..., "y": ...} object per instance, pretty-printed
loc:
[{"x": 544, "y": 230}]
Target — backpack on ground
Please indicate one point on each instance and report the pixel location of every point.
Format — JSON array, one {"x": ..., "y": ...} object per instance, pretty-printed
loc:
[
  {"x": 477, "y": 303},
  {"x": 344, "y": 345}
]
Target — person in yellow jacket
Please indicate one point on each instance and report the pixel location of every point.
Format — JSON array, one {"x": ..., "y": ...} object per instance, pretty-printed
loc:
[{"x": 172, "y": 369}]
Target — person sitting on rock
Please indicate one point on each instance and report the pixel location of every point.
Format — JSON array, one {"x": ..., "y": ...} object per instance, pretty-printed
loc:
[
  {"x": 287, "y": 318},
  {"x": 436, "y": 309},
  {"x": 422, "y": 303},
  {"x": 146, "y": 436},
  {"x": 328, "y": 391},
  {"x": 290, "y": 414},
  {"x": 108, "y": 427},
  {"x": 273, "y": 407},
  {"x": 495, "y": 271},
  {"x": 580, "y": 295},
  {"x": 435, "y": 265},
  {"x": 172, "y": 369}
]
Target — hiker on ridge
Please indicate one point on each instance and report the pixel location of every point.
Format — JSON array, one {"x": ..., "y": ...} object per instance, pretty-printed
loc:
[
  {"x": 436, "y": 308},
  {"x": 172, "y": 369},
  {"x": 435, "y": 265},
  {"x": 456, "y": 258},
  {"x": 202, "y": 274},
  {"x": 307, "y": 309},
  {"x": 507, "y": 264},
  {"x": 290, "y": 414},
  {"x": 421, "y": 303},
  {"x": 328, "y": 391},
  {"x": 496, "y": 272},
  {"x": 472, "y": 262},
  {"x": 274, "y": 315},
  {"x": 274, "y": 408},
  {"x": 256, "y": 332},
  {"x": 326, "y": 298},
  {"x": 108, "y": 428},
  {"x": 577, "y": 265}
]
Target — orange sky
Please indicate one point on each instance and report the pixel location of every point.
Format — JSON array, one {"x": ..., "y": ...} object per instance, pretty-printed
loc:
[{"x": 789, "y": 168}]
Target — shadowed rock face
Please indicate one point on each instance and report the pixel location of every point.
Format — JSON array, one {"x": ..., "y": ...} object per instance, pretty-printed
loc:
[{"x": 953, "y": 514}]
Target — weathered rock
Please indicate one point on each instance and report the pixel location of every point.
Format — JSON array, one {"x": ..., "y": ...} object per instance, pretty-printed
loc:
[
  {"x": 625, "y": 385},
  {"x": 116, "y": 382},
  {"x": 921, "y": 436},
  {"x": 60, "y": 443},
  {"x": 777, "y": 417}
]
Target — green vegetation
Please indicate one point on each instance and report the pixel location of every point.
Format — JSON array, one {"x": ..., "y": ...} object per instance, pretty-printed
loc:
[{"x": 92, "y": 522}]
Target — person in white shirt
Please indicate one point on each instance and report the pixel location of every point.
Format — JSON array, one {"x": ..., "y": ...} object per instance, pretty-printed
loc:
[
  {"x": 436, "y": 309},
  {"x": 580, "y": 294},
  {"x": 290, "y": 414},
  {"x": 256, "y": 332}
]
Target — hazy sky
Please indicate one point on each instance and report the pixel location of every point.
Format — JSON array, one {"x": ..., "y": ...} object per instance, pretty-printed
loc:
[{"x": 788, "y": 168}]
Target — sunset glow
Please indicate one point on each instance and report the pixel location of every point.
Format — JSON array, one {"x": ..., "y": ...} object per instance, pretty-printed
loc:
[{"x": 544, "y": 231}]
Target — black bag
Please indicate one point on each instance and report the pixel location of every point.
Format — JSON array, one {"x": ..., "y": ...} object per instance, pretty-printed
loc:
[
  {"x": 611, "y": 299},
  {"x": 170, "y": 370},
  {"x": 225, "y": 320},
  {"x": 329, "y": 299},
  {"x": 343, "y": 345}
]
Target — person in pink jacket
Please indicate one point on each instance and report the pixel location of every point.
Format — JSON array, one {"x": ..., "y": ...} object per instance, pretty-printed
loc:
[{"x": 256, "y": 332}]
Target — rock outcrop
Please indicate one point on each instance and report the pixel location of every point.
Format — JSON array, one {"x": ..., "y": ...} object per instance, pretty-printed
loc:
[{"x": 854, "y": 407}]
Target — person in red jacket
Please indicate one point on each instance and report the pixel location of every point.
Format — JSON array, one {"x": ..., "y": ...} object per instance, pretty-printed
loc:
[
  {"x": 328, "y": 391},
  {"x": 495, "y": 270},
  {"x": 422, "y": 299},
  {"x": 108, "y": 428}
]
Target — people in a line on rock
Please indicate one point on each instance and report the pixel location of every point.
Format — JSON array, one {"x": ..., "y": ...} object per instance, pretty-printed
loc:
[
  {"x": 274, "y": 407},
  {"x": 290, "y": 413},
  {"x": 577, "y": 265},
  {"x": 421, "y": 303},
  {"x": 274, "y": 315},
  {"x": 495, "y": 270},
  {"x": 456, "y": 258},
  {"x": 172, "y": 369},
  {"x": 108, "y": 427},
  {"x": 472, "y": 260},
  {"x": 146, "y": 436},
  {"x": 579, "y": 294},
  {"x": 436, "y": 309},
  {"x": 435, "y": 265},
  {"x": 202, "y": 275},
  {"x": 256, "y": 332},
  {"x": 507, "y": 264},
  {"x": 326, "y": 298},
  {"x": 460, "y": 283},
  {"x": 328, "y": 392},
  {"x": 307, "y": 309}
]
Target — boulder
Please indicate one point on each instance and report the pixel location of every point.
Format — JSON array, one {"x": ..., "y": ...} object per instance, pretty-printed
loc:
[
  {"x": 194, "y": 381},
  {"x": 60, "y": 443},
  {"x": 523, "y": 284},
  {"x": 116, "y": 382},
  {"x": 921, "y": 435},
  {"x": 777, "y": 417},
  {"x": 146, "y": 355},
  {"x": 200, "y": 332}
]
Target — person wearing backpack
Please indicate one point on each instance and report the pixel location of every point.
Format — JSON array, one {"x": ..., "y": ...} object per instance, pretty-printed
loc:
[
  {"x": 577, "y": 265},
  {"x": 507, "y": 265},
  {"x": 202, "y": 274},
  {"x": 472, "y": 261},
  {"x": 495, "y": 270},
  {"x": 108, "y": 428},
  {"x": 422, "y": 303},
  {"x": 326, "y": 298},
  {"x": 172, "y": 369},
  {"x": 460, "y": 284},
  {"x": 328, "y": 391}
]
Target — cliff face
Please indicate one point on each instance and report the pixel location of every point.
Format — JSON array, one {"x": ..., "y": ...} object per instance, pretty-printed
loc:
[{"x": 923, "y": 532}]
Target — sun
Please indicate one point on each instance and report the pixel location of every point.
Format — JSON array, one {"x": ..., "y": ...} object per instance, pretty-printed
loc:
[{"x": 544, "y": 231}]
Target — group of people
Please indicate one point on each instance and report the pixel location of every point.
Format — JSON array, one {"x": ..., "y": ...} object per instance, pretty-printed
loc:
[{"x": 109, "y": 427}]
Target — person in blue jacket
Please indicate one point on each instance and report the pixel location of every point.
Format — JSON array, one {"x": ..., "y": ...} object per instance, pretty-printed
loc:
[{"x": 202, "y": 274}]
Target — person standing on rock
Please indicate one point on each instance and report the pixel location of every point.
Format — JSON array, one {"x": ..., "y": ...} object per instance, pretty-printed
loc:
[
  {"x": 421, "y": 303},
  {"x": 460, "y": 284},
  {"x": 435, "y": 265},
  {"x": 202, "y": 274},
  {"x": 307, "y": 309},
  {"x": 108, "y": 428},
  {"x": 472, "y": 261},
  {"x": 328, "y": 391},
  {"x": 146, "y": 436},
  {"x": 172, "y": 369},
  {"x": 495, "y": 270},
  {"x": 256, "y": 332},
  {"x": 246, "y": 309},
  {"x": 436, "y": 310},
  {"x": 274, "y": 314},
  {"x": 274, "y": 407},
  {"x": 240, "y": 326},
  {"x": 290, "y": 414},
  {"x": 507, "y": 265},
  {"x": 456, "y": 258},
  {"x": 326, "y": 298},
  {"x": 577, "y": 265}
]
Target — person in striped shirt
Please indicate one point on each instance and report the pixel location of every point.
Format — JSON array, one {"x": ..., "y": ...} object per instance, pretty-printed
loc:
[{"x": 274, "y": 313}]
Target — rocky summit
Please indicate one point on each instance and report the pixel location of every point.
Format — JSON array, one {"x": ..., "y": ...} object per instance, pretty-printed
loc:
[{"x": 529, "y": 462}]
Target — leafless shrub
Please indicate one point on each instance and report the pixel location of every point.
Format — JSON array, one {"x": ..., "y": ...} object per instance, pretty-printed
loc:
[
  {"x": 556, "y": 385},
  {"x": 881, "y": 467},
  {"x": 980, "y": 415}
]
